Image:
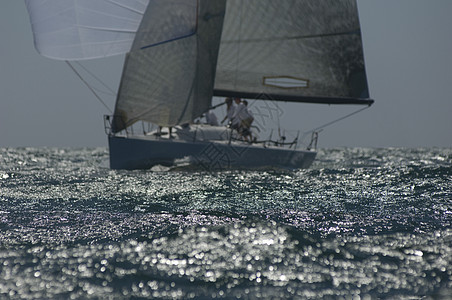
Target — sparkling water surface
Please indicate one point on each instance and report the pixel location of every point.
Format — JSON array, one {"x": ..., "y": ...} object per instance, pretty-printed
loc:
[{"x": 360, "y": 223}]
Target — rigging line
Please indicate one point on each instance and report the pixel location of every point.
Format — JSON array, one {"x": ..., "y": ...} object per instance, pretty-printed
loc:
[
  {"x": 95, "y": 77},
  {"x": 335, "y": 121},
  {"x": 86, "y": 83},
  {"x": 237, "y": 62}
]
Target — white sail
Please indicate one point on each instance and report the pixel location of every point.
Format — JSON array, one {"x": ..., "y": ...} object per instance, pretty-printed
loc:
[
  {"x": 291, "y": 49},
  {"x": 170, "y": 80},
  {"x": 84, "y": 29}
]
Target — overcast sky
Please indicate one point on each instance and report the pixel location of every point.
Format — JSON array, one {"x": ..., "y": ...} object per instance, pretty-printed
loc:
[{"x": 408, "y": 53}]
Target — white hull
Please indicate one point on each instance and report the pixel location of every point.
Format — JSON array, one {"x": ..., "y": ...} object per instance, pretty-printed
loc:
[{"x": 143, "y": 152}]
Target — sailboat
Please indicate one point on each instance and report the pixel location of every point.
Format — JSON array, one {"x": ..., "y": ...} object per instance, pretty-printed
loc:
[{"x": 180, "y": 54}]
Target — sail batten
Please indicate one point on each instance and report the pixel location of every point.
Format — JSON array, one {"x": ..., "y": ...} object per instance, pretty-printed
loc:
[
  {"x": 283, "y": 38},
  {"x": 167, "y": 41}
]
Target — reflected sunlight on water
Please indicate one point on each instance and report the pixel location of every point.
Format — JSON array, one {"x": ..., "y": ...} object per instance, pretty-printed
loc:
[{"x": 373, "y": 223}]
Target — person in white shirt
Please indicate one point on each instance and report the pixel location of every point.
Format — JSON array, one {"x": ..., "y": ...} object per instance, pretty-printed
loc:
[
  {"x": 238, "y": 114},
  {"x": 230, "y": 110},
  {"x": 247, "y": 119},
  {"x": 211, "y": 118},
  {"x": 246, "y": 116},
  {"x": 242, "y": 119}
]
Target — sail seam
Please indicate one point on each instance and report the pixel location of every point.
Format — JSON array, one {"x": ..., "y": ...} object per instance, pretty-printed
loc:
[
  {"x": 106, "y": 29},
  {"x": 272, "y": 39},
  {"x": 126, "y": 7}
]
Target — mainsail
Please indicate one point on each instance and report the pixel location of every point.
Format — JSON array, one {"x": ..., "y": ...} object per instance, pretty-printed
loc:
[
  {"x": 182, "y": 52},
  {"x": 303, "y": 50}
]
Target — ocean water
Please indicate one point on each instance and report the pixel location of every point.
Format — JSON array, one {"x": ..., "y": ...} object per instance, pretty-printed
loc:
[{"x": 359, "y": 224}]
